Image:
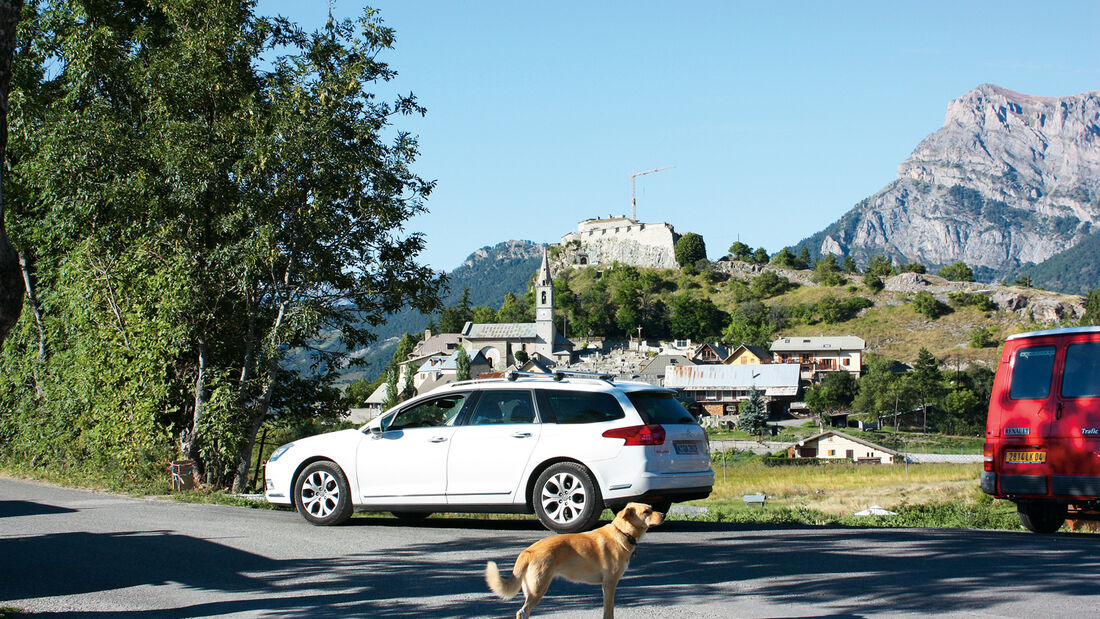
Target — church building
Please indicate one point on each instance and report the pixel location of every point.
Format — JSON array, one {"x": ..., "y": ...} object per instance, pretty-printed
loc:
[{"x": 499, "y": 342}]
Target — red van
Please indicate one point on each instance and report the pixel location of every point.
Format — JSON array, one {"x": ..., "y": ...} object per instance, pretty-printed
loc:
[{"x": 1042, "y": 447}]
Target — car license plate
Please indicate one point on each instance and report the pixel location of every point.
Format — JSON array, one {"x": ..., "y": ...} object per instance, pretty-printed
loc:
[
  {"x": 1025, "y": 457},
  {"x": 685, "y": 447}
]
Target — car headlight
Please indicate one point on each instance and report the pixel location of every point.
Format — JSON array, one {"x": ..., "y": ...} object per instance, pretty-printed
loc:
[{"x": 280, "y": 450}]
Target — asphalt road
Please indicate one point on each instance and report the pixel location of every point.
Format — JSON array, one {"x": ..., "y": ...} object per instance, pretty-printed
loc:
[{"x": 74, "y": 552}]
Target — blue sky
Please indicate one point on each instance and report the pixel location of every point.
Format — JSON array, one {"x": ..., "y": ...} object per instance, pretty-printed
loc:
[{"x": 779, "y": 117}]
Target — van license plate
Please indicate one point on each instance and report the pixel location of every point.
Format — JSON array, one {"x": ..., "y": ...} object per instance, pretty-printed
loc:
[
  {"x": 1025, "y": 457},
  {"x": 685, "y": 447}
]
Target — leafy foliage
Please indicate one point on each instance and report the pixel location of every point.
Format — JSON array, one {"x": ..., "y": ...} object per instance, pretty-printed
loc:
[
  {"x": 927, "y": 305},
  {"x": 195, "y": 214},
  {"x": 958, "y": 272},
  {"x": 753, "y": 414},
  {"x": 690, "y": 249}
]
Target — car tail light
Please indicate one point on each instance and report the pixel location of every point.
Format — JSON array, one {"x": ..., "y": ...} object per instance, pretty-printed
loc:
[
  {"x": 652, "y": 434},
  {"x": 987, "y": 456}
]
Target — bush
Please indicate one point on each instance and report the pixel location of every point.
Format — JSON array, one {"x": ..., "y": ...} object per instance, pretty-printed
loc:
[
  {"x": 981, "y": 337},
  {"x": 768, "y": 284},
  {"x": 980, "y": 301},
  {"x": 781, "y": 459},
  {"x": 690, "y": 249},
  {"x": 873, "y": 282},
  {"x": 927, "y": 305},
  {"x": 958, "y": 272},
  {"x": 913, "y": 267}
]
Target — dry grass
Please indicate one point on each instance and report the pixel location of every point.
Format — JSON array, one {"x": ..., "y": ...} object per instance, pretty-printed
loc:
[{"x": 842, "y": 489}]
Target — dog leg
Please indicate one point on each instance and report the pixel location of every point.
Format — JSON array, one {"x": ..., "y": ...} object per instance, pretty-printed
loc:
[
  {"x": 609, "y": 598},
  {"x": 534, "y": 587}
]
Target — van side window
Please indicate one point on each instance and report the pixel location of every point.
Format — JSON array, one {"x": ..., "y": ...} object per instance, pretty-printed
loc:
[
  {"x": 1032, "y": 369},
  {"x": 1081, "y": 377},
  {"x": 581, "y": 406}
]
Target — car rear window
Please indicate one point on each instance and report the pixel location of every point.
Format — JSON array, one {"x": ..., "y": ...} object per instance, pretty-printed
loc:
[
  {"x": 1031, "y": 372},
  {"x": 581, "y": 406},
  {"x": 1081, "y": 377},
  {"x": 659, "y": 407}
]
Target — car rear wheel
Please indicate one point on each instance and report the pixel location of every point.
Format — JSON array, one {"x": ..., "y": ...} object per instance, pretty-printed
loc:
[
  {"x": 322, "y": 494},
  {"x": 567, "y": 499},
  {"x": 1041, "y": 516}
]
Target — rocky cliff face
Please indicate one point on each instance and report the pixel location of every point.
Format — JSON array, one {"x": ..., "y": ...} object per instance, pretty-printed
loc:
[{"x": 1010, "y": 179}]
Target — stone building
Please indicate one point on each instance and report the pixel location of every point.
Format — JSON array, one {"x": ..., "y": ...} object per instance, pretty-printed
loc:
[{"x": 624, "y": 240}]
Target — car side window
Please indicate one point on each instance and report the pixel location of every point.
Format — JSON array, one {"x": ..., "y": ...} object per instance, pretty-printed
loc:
[
  {"x": 1081, "y": 376},
  {"x": 505, "y": 406},
  {"x": 434, "y": 413},
  {"x": 581, "y": 406},
  {"x": 1032, "y": 369}
]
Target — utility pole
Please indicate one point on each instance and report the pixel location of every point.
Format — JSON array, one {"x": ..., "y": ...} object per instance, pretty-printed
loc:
[{"x": 633, "y": 200}]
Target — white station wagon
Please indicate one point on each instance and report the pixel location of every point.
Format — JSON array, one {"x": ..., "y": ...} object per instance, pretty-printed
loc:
[{"x": 562, "y": 446}]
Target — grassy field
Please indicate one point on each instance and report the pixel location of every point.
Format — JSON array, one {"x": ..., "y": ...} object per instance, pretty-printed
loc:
[{"x": 906, "y": 442}]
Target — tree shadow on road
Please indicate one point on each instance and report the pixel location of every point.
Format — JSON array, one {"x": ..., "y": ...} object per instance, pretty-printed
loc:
[{"x": 839, "y": 571}]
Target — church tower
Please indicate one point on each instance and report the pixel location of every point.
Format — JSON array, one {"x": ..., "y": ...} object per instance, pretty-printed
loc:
[{"x": 544, "y": 308}]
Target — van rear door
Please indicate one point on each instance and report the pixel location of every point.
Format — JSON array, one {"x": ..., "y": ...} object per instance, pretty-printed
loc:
[
  {"x": 1027, "y": 402},
  {"x": 1076, "y": 420}
]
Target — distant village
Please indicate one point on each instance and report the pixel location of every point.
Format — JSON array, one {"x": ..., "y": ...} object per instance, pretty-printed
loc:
[{"x": 713, "y": 378}]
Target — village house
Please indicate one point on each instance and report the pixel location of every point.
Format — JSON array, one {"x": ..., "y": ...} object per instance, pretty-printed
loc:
[
  {"x": 834, "y": 445},
  {"x": 817, "y": 355},
  {"x": 748, "y": 354},
  {"x": 709, "y": 353},
  {"x": 719, "y": 388},
  {"x": 655, "y": 369}
]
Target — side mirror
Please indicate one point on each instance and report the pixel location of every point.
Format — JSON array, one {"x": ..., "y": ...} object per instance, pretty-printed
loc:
[{"x": 376, "y": 431}]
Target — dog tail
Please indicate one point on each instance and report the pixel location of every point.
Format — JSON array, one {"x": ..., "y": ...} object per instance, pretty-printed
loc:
[{"x": 506, "y": 588}]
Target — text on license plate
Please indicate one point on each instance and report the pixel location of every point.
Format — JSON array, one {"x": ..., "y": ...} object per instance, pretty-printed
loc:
[
  {"x": 1026, "y": 457},
  {"x": 685, "y": 447}
]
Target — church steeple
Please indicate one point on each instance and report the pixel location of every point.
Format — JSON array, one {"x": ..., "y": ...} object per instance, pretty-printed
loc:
[{"x": 544, "y": 304}]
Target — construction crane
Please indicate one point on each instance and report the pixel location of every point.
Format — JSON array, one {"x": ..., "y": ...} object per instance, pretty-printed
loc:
[{"x": 633, "y": 200}]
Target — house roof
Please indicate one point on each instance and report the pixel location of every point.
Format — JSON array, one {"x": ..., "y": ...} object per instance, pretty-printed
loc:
[
  {"x": 757, "y": 351},
  {"x": 776, "y": 379},
  {"x": 818, "y": 437},
  {"x": 500, "y": 331},
  {"x": 378, "y": 396},
  {"x": 659, "y": 365},
  {"x": 438, "y": 363},
  {"x": 799, "y": 344},
  {"x": 440, "y": 342},
  {"x": 721, "y": 351}
]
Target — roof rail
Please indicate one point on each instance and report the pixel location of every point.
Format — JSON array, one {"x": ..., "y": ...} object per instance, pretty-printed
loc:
[{"x": 558, "y": 375}]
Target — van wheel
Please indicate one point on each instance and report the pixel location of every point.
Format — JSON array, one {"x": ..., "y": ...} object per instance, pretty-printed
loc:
[
  {"x": 1041, "y": 516},
  {"x": 567, "y": 499}
]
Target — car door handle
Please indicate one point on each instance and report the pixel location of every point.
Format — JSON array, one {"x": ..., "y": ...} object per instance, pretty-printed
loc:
[
  {"x": 521, "y": 435},
  {"x": 438, "y": 439},
  {"x": 1058, "y": 411}
]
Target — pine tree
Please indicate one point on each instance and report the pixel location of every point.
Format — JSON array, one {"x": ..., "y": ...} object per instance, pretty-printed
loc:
[{"x": 753, "y": 417}]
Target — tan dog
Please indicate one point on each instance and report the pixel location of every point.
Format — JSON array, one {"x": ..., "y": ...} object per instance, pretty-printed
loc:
[{"x": 597, "y": 557}]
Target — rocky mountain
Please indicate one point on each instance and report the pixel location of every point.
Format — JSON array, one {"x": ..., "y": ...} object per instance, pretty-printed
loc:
[
  {"x": 1009, "y": 181},
  {"x": 489, "y": 273}
]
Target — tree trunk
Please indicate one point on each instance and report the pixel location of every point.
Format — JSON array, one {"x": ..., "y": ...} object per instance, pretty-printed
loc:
[
  {"x": 189, "y": 441},
  {"x": 11, "y": 276}
]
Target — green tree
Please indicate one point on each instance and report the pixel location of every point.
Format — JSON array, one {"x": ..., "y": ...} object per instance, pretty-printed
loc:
[
  {"x": 1092, "y": 308},
  {"x": 958, "y": 272},
  {"x": 696, "y": 319},
  {"x": 927, "y": 381},
  {"x": 850, "y": 265},
  {"x": 11, "y": 274},
  {"x": 206, "y": 192},
  {"x": 835, "y": 392},
  {"x": 913, "y": 267},
  {"x": 753, "y": 414},
  {"x": 357, "y": 393},
  {"x": 981, "y": 337},
  {"x": 690, "y": 249},
  {"x": 752, "y": 323},
  {"x": 873, "y": 282},
  {"x": 393, "y": 396},
  {"x": 768, "y": 284},
  {"x": 512, "y": 310},
  {"x": 462, "y": 364},
  {"x": 879, "y": 266},
  {"x": 521, "y": 356},
  {"x": 760, "y": 256},
  {"x": 804, "y": 259},
  {"x": 741, "y": 252},
  {"x": 787, "y": 260},
  {"x": 927, "y": 305},
  {"x": 827, "y": 273}
]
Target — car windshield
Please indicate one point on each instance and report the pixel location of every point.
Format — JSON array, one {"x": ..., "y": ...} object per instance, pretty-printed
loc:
[{"x": 659, "y": 407}]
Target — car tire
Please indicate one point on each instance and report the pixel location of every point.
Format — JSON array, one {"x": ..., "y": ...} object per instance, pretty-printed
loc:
[
  {"x": 322, "y": 494},
  {"x": 411, "y": 516},
  {"x": 567, "y": 499},
  {"x": 1041, "y": 516}
]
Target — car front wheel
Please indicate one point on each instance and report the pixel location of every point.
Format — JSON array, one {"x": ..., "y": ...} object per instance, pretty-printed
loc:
[
  {"x": 567, "y": 499},
  {"x": 322, "y": 494}
]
